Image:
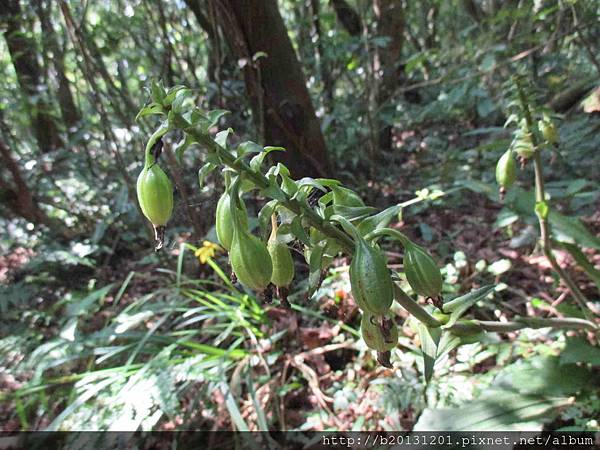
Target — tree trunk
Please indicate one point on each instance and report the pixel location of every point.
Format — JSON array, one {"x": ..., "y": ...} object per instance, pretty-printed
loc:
[
  {"x": 280, "y": 101},
  {"x": 324, "y": 72},
  {"x": 23, "y": 53},
  {"x": 390, "y": 24}
]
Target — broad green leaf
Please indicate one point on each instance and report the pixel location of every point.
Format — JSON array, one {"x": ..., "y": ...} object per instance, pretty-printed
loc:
[
  {"x": 579, "y": 350},
  {"x": 326, "y": 199},
  {"x": 571, "y": 231},
  {"x": 544, "y": 375},
  {"x": 582, "y": 261},
  {"x": 497, "y": 410}
]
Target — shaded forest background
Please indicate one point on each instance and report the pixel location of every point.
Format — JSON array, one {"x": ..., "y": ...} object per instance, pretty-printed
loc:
[{"x": 405, "y": 102}]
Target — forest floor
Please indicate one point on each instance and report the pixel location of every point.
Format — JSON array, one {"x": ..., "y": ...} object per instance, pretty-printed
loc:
[{"x": 324, "y": 361}]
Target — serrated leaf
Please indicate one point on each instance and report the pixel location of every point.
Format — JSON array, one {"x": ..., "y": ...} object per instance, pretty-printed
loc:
[
  {"x": 281, "y": 169},
  {"x": 171, "y": 93}
]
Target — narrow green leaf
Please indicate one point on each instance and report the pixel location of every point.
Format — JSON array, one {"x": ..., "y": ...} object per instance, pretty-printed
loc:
[
  {"x": 380, "y": 220},
  {"x": 315, "y": 267},
  {"x": 298, "y": 230},
  {"x": 430, "y": 338},
  {"x": 204, "y": 171},
  {"x": 458, "y": 306}
]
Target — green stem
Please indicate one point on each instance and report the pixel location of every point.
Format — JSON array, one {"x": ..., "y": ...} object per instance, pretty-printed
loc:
[
  {"x": 347, "y": 242},
  {"x": 470, "y": 326},
  {"x": 263, "y": 182},
  {"x": 414, "y": 308},
  {"x": 540, "y": 198},
  {"x": 148, "y": 156}
]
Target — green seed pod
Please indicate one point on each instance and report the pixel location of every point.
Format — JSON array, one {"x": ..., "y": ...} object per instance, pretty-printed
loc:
[
  {"x": 346, "y": 197},
  {"x": 548, "y": 130},
  {"x": 281, "y": 259},
  {"x": 370, "y": 279},
  {"x": 224, "y": 222},
  {"x": 506, "y": 170},
  {"x": 374, "y": 336},
  {"x": 250, "y": 260},
  {"x": 422, "y": 272},
  {"x": 155, "y": 195},
  {"x": 248, "y": 255}
]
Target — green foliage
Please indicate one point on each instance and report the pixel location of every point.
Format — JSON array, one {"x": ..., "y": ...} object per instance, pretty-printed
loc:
[{"x": 99, "y": 332}]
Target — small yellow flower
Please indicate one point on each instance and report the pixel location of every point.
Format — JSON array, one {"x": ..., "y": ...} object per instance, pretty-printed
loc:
[{"x": 207, "y": 250}]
